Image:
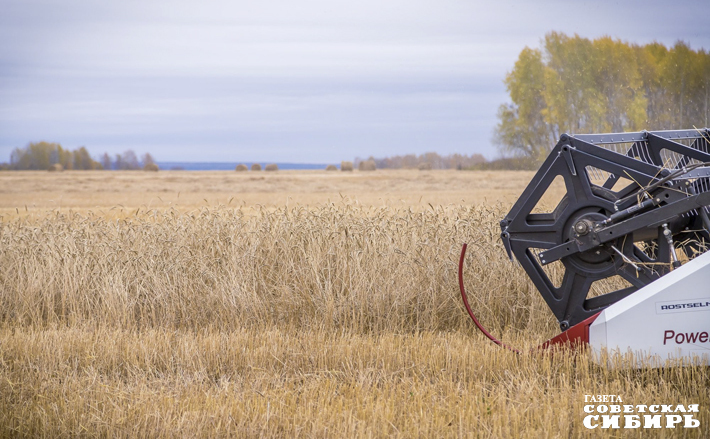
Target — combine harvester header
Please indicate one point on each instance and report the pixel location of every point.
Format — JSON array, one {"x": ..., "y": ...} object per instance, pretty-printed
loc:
[{"x": 622, "y": 258}]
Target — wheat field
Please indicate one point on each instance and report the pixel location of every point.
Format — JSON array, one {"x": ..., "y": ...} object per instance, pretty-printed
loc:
[{"x": 288, "y": 304}]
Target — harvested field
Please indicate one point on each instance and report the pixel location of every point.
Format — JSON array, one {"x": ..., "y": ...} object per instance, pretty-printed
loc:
[
  {"x": 312, "y": 304},
  {"x": 100, "y": 191}
]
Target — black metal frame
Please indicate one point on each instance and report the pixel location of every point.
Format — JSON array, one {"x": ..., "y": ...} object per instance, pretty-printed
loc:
[{"x": 595, "y": 228}]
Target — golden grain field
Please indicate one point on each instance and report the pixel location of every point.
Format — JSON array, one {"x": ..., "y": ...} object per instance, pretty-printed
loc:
[{"x": 288, "y": 304}]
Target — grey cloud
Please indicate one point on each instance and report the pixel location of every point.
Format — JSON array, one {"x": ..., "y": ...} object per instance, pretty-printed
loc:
[{"x": 305, "y": 81}]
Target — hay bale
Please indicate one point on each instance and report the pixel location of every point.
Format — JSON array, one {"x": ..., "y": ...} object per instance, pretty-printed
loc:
[
  {"x": 271, "y": 167},
  {"x": 331, "y": 168},
  {"x": 346, "y": 166},
  {"x": 256, "y": 167},
  {"x": 241, "y": 168},
  {"x": 367, "y": 165},
  {"x": 57, "y": 167},
  {"x": 151, "y": 167},
  {"x": 425, "y": 166}
]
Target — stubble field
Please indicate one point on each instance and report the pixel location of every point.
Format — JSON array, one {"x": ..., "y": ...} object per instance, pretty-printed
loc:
[{"x": 287, "y": 304}]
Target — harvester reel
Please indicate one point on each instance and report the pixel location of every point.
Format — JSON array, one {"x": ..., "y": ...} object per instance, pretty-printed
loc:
[
  {"x": 626, "y": 208},
  {"x": 635, "y": 207}
]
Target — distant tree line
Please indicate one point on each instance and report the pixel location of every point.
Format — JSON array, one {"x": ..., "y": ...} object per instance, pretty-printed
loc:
[
  {"x": 127, "y": 161},
  {"x": 43, "y": 155},
  {"x": 431, "y": 159},
  {"x": 577, "y": 85}
]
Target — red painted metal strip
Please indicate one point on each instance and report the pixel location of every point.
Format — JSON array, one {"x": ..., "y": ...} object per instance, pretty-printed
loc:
[
  {"x": 576, "y": 335},
  {"x": 468, "y": 308}
]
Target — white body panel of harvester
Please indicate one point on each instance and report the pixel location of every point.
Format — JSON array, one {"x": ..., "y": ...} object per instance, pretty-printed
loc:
[{"x": 667, "y": 319}]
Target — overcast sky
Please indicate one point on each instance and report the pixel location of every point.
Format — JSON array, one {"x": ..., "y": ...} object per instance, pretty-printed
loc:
[{"x": 314, "y": 81}]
